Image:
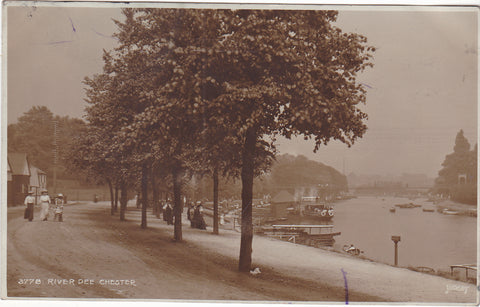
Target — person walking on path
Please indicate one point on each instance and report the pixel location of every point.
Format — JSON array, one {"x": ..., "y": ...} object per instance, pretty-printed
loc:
[
  {"x": 29, "y": 202},
  {"x": 45, "y": 203},
  {"x": 190, "y": 213},
  {"x": 199, "y": 222},
  {"x": 59, "y": 201},
  {"x": 168, "y": 213}
]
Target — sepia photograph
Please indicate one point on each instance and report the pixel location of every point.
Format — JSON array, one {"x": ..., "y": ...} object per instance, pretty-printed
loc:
[{"x": 239, "y": 153}]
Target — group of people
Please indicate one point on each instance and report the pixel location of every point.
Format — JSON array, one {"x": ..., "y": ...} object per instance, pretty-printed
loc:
[
  {"x": 45, "y": 203},
  {"x": 195, "y": 215}
]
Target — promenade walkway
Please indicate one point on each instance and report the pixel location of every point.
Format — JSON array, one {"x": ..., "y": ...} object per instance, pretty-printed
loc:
[{"x": 376, "y": 279}]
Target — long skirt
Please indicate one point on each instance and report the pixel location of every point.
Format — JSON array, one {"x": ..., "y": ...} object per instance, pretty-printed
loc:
[
  {"x": 44, "y": 211},
  {"x": 30, "y": 212},
  {"x": 200, "y": 222}
]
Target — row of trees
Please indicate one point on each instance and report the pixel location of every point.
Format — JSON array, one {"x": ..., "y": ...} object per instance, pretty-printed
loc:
[
  {"x": 207, "y": 91},
  {"x": 458, "y": 177}
]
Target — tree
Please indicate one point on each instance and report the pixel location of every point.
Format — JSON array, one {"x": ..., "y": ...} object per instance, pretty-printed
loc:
[
  {"x": 462, "y": 161},
  {"x": 110, "y": 102},
  {"x": 289, "y": 73},
  {"x": 33, "y": 134},
  {"x": 457, "y": 162}
]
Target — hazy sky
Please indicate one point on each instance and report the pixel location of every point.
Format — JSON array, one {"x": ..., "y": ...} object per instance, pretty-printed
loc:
[{"x": 421, "y": 91}]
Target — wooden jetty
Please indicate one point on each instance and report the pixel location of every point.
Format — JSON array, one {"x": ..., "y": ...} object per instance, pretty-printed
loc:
[{"x": 312, "y": 235}]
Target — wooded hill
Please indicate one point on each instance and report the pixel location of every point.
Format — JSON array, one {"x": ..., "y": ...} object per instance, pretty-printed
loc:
[{"x": 295, "y": 174}]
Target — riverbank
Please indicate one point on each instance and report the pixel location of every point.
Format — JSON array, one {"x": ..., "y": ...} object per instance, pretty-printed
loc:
[
  {"x": 92, "y": 245},
  {"x": 458, "y": 208}
]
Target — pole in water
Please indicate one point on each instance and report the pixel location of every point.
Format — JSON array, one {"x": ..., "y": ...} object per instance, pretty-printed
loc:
[{"x": 395, "y": 240}]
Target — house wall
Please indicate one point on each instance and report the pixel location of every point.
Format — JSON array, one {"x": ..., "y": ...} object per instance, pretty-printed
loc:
[
  {"x": 19, "y": 189},
  {"x": 10, "y": 193},
  {"x": 42, "y": 178}
]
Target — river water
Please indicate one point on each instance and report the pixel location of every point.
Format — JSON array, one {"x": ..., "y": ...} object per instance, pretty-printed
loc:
[{"x": 429, "y": 239}]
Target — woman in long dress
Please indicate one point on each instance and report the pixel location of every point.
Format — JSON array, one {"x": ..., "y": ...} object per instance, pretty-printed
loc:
[
  {"x": 168, "y": 213},
  {"x": 29, "y": 202},
  {"x": 45, "y": 203},
  {"x": 198, "y": 217}
]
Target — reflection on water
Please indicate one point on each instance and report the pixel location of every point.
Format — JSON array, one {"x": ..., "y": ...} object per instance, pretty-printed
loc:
[{"x": 428, "y": 239}]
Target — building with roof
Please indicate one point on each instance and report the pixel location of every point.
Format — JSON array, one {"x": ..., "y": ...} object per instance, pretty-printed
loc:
[
  {"x": 38, "y": 181},
  {"x": 280, "y": 203},
  {"x": 23, "y": 177}
]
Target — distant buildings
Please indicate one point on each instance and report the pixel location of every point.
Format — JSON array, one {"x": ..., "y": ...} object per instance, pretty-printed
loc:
[{"x": 23, "y": 177}]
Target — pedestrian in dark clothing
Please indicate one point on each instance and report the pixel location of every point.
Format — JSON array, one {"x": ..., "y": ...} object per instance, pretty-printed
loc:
[
  {"x": 199, "y": 222},
  {"x": 168, "y": 213},
  {"x": 29, "y": 202}
]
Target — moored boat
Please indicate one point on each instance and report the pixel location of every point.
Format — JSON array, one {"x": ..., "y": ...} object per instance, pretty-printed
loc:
[
  {"x": 449, "y": 212},
  {"x": 409, "y": 205},
  {"x": 321, "y": 212},
  {"x": 310, "y": 206}
]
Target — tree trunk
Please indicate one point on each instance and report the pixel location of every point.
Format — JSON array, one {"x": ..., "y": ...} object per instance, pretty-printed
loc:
[
  {"x": 215, "y": 201},
  {"x": 116, "y": 199},
  {"x": 144, "y": 184},
  {"x": 155, "y": 198},
  {"x": 248, "y": 156},
  {"x": 112, "y": 201},
  {"x": 177, "y": 203},
  {"x": 123, "y": 200}
]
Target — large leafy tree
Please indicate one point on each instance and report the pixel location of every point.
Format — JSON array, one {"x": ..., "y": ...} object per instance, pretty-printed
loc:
[
  {"x": 461, "y": 163},
  {"x": 289, "y": 73},
  {"x": 34, "y": 134},
  {"x": 456, "y": 163},
  {"x": 111, "y": 100}
]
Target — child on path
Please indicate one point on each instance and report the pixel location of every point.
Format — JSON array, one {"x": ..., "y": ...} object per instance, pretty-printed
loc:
[{"x": 59, "y": 208}]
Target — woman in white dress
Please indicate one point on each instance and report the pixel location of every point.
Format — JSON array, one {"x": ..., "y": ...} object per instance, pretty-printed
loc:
[{"x": 44, "y": 202}]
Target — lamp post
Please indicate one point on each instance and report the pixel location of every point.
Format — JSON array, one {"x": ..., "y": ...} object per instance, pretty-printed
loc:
[{"x": 395, "y": 240}]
